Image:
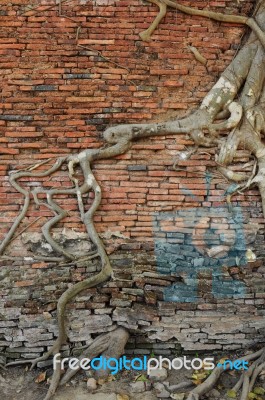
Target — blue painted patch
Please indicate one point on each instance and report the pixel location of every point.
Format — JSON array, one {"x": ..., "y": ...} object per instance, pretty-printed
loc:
[{"x": 187, "y": 243}]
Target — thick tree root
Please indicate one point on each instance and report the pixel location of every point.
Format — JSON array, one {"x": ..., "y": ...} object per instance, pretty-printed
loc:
[
  {"x": 234, "y": 106},
  {"x": 108, "y": 345}
]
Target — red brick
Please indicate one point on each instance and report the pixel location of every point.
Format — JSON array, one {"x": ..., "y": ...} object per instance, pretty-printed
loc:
[{"x": 5, "y": 150}]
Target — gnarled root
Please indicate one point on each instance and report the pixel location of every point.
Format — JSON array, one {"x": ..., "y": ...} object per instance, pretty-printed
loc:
[
  {"x": 246, "y": 381},
  {"x": 69, "y": 294},
  {"x": 238, "y": 19},
  {"x": 109, "y": 345},
  {"x": 242, "y": 80}
]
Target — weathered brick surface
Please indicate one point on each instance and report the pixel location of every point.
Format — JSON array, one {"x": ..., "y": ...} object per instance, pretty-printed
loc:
[{"x": 58, "y": 95}]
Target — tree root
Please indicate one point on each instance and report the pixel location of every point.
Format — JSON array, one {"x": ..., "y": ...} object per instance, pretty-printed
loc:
[
  {"x": 109, "y": 345},
  {"x": 13, "y": 180},
  {"x": 211, "y": 381},
  {"x": 219, "y": 114},
  {"x": 237, "y": 19},
  {"x": 146, "y": 35}
]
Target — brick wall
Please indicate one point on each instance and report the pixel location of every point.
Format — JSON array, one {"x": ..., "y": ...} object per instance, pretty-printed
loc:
[{"x": 65, "y": 78}]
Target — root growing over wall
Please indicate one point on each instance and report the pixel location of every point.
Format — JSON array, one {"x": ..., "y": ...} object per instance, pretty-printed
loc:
[{"x": 231, "y": 116}]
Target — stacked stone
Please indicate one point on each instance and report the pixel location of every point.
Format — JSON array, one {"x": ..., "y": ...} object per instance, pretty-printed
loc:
[{"x": 57, "y": 98}]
